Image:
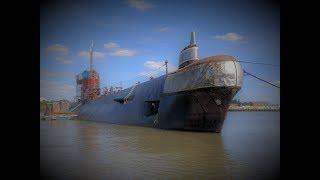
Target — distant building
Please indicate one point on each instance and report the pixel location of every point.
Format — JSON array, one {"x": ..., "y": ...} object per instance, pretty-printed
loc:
[
  {"x": 61, "y": 106},
  {"x": 232, "y": 104},
  {"x": 64, "y": 106}
]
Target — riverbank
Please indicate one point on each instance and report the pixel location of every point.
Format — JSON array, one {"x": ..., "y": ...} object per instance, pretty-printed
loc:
[
  {"x": 58, "y": 116},
  {"x": 254, "y": 108}
]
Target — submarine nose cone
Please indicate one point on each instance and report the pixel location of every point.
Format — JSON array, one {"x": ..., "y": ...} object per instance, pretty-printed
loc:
[{"x": 193, "y": 39}]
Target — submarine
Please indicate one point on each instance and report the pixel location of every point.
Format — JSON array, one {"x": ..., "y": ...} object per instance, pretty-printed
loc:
[{"x": 195, "y": 97}]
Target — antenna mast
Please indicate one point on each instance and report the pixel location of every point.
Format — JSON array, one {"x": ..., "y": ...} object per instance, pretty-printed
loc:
[
  {"x": 166, "y": 63},
  {"x": 91, "y": 56}
]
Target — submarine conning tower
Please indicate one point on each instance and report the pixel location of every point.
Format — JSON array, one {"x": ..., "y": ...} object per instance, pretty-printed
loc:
[{"x": 189, "y": 54}]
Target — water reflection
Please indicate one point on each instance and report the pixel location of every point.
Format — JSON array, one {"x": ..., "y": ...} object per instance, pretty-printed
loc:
[
  {"x": 144, "y": 152},
  {"x": 252, "y": 139},
  {"x": 91, "y": 150}
]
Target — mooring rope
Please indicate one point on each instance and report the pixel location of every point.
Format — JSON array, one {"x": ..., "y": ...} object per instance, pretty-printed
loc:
[
  {"x": 260, "y": 63},
  {"x": 261, "y": 79}
]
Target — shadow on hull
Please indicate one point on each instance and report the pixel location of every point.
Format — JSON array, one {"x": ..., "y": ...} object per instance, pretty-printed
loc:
[
  {"x": 199, "y": 110},
  {"x": 202, "y": 110},
  {"x": 193, "y": 98}
]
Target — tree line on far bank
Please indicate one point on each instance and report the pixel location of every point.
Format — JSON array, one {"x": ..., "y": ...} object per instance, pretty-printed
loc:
[{"x": 239, "y": 103}]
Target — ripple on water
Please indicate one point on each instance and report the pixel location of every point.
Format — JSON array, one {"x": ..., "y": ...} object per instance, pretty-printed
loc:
[{"x": 74, "y": 148}]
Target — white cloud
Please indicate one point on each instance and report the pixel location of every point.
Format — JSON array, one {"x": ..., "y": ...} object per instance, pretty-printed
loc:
[
  {"x": 55, "y": 74},
  {"x": 123, "y": 52},
  {"x": 55, "y": 90},
  {"x": 96, "y": 55},
  {"x": 111, "y": 45},
  {"x": 59, "y": 53},
  {"x": 115, "y": 50},
  {"x": 153, "y": 68},
  {"x": 231, "y": 37},
  {"x": 57, "y": 48},
  {"x": 162, "y": 29},
  {"x": 139, "y": 4},
  {"x": 63, "y": 60},
  {"x": 152, "y": 65}
]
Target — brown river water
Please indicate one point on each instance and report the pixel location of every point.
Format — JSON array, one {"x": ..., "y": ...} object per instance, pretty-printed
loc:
[{"x": 247, "y": 148}]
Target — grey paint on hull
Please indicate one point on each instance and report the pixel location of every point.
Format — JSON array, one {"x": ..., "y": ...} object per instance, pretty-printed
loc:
[
  {"x": 194, "y": 98},
  {"x": 106, "y": 109}
]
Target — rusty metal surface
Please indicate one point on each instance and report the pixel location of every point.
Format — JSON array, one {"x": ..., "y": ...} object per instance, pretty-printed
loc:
[
  {"x": 195, "y": 97},
  {"x": 88, "y": 85},
  {"x": 197, "y": 109},
  {"x": 216, "y": 71}
]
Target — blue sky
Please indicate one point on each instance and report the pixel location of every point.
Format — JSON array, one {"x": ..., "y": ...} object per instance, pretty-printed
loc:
[{"x": 133, "y": 37}]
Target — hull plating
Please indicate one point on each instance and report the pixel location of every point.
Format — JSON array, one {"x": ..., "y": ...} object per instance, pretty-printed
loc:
[{"x": 194, "y": 98}]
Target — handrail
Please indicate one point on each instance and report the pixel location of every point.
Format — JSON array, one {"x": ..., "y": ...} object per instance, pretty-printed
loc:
[
  {"x": 130, "y": 92},
  {"x": 75, "y": 107}
]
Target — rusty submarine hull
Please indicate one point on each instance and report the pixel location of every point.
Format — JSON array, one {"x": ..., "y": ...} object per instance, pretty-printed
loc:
[{"x": 195, "y": 97}]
